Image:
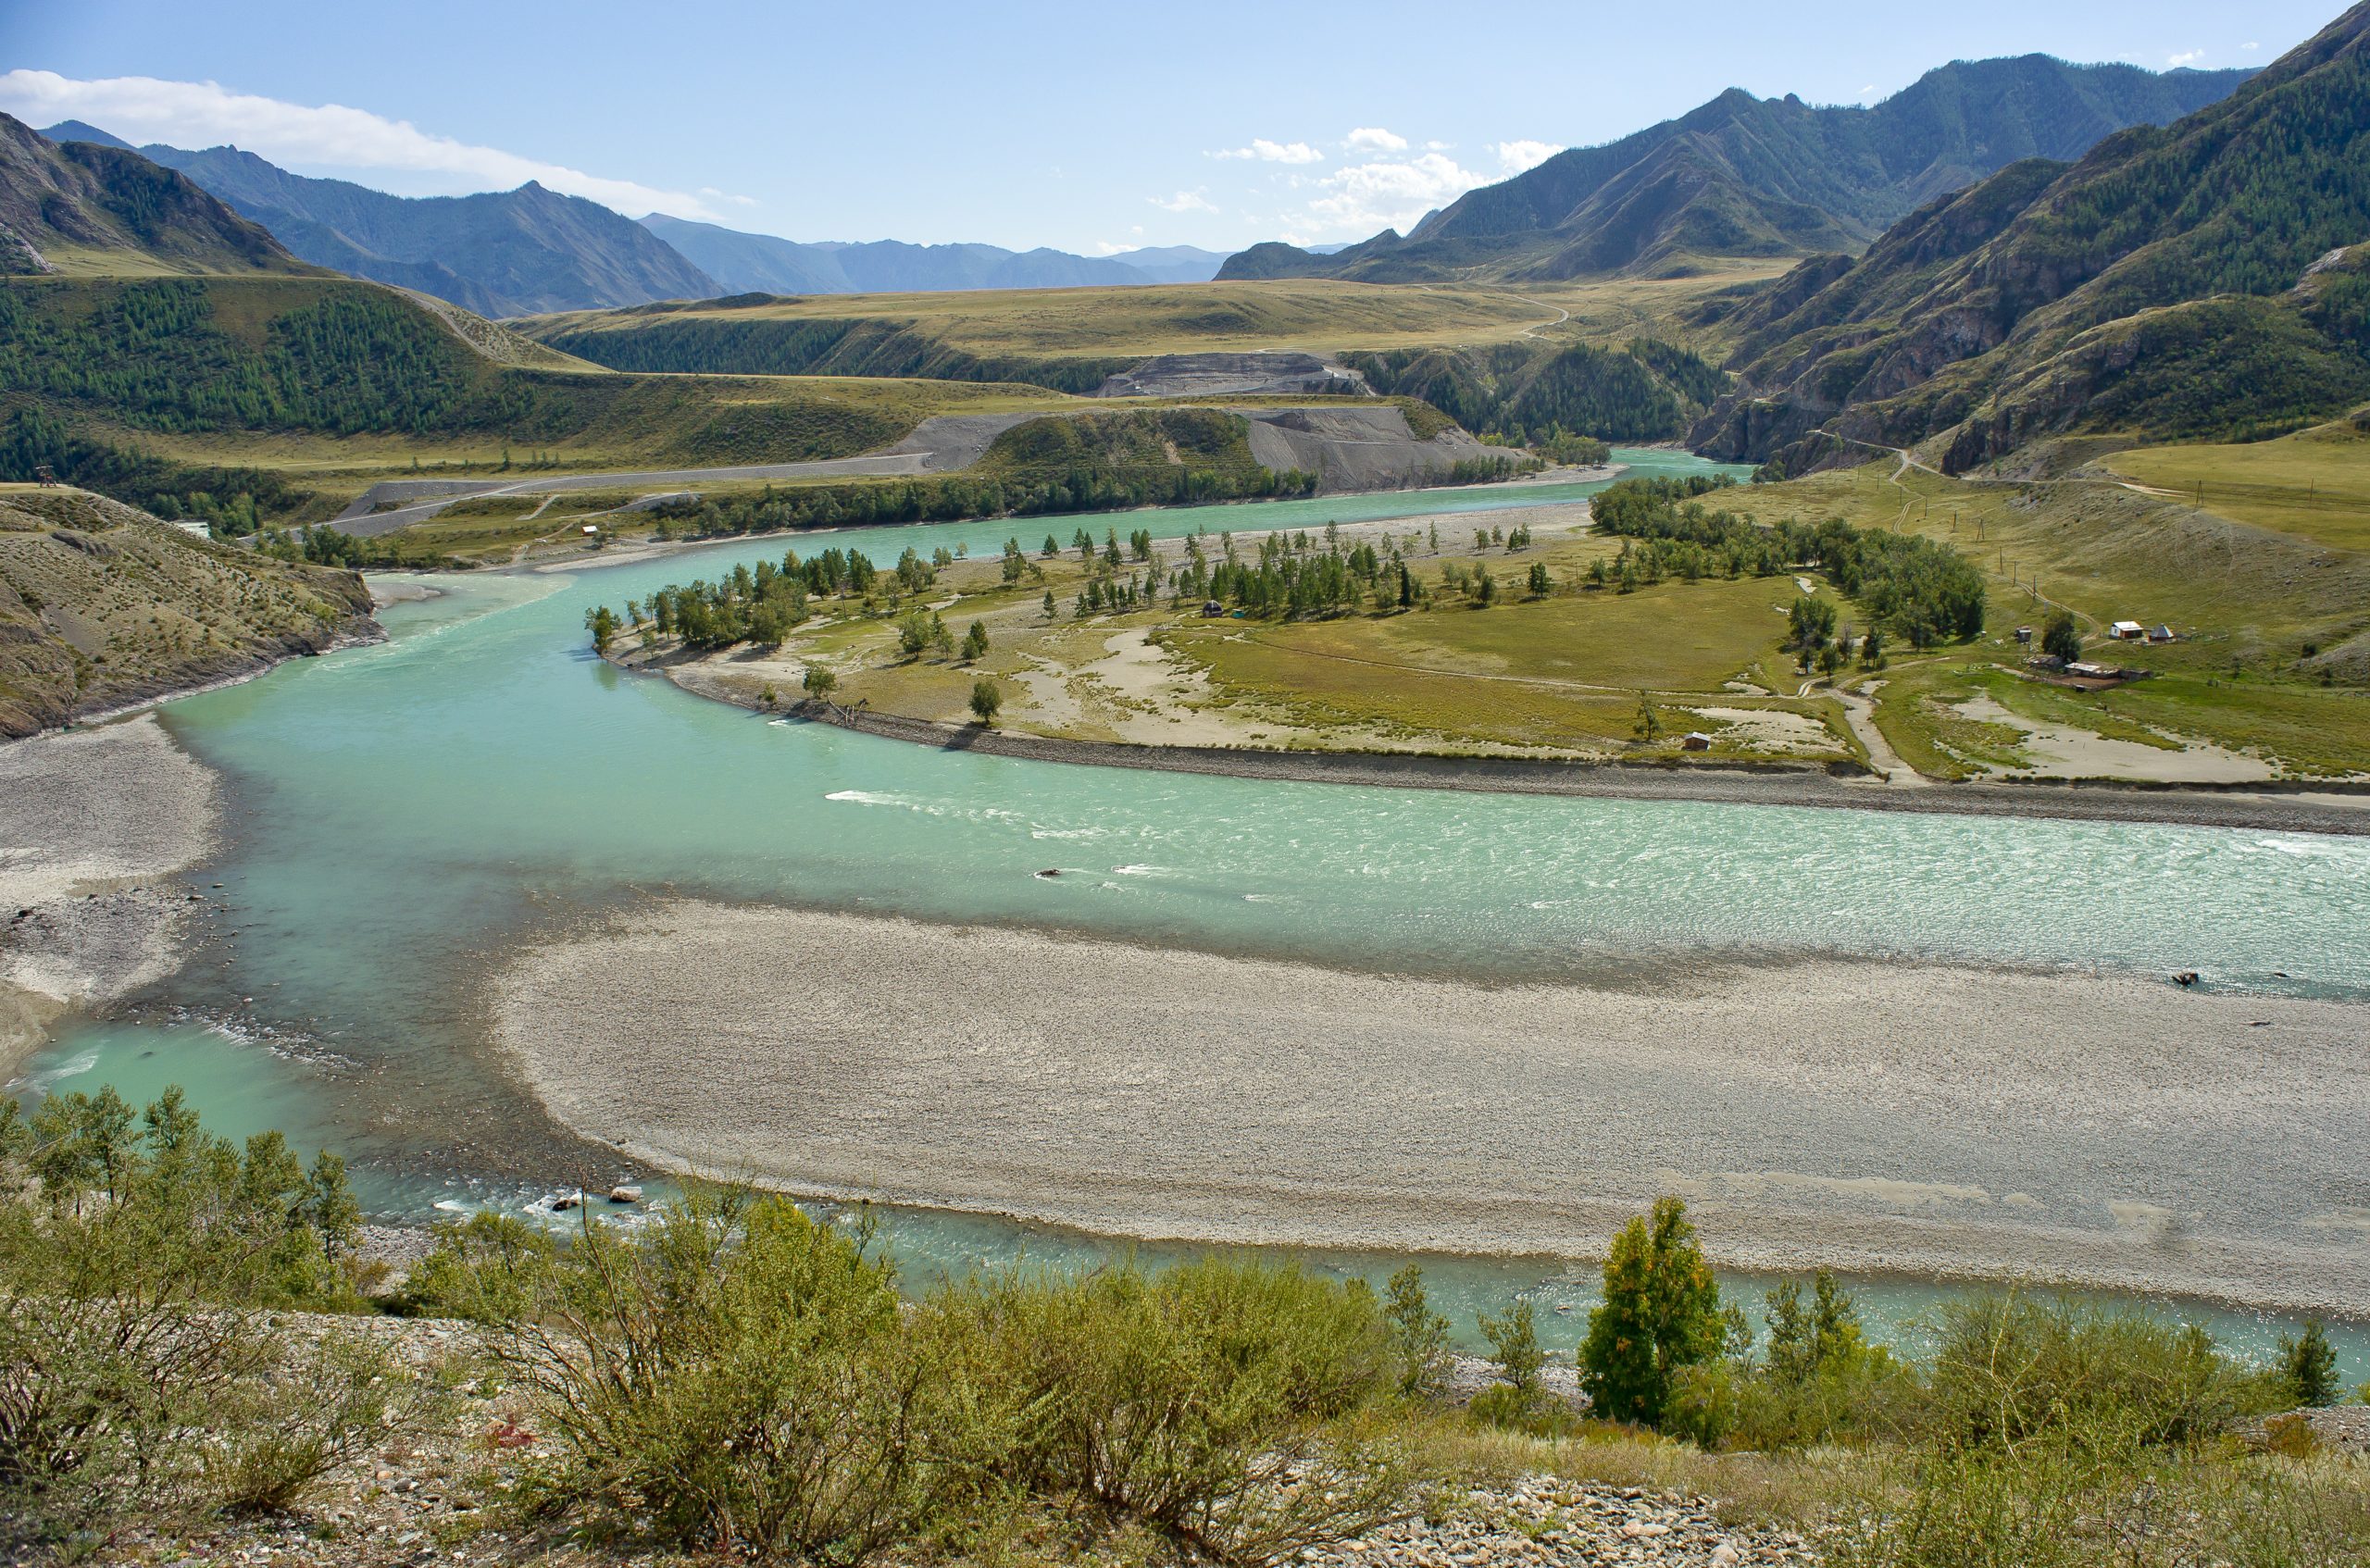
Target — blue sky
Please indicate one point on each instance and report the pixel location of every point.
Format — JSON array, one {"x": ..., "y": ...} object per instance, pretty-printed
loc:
[{"x": 1092, "y": 128}]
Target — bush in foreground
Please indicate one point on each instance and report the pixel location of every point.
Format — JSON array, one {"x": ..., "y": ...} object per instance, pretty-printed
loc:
[{"x": 142, "y": 1374}]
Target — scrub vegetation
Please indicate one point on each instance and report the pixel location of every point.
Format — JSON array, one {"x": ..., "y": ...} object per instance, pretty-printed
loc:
[{"x": 737, "y": 1376}]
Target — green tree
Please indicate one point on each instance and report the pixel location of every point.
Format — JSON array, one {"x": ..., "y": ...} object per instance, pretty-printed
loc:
[
  {"x": 914, "y": 634},
  {"x": 975, "y": 643},
  {"x": 987, "y": 700},
  {"x": 1418, "y": 1335},
  {"x": 1513, "y": 1335},
  {"x": 1649, "y": 726},
  {"x": 2061, "y": 638},
  {"x": 1807, "y": 1339},
  {"x": 1810, "y": 623},
  {"x": 819, "y": 683},
  {"x": 1661, "y": 1312},
  {"x": 1052, "y": 609},
  {"x": 2308, "y": 1362},
  {"x": 1541, "y": 583},
  {"x": 602, "y": 622}
]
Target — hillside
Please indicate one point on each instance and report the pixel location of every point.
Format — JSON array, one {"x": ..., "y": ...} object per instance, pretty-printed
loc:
[
  {"x": 86, "y": 208},
  {"x": 765, "y": 264},
  {"x": 1752, "y": 177},
  {"x": 102, "y": 606},
  {"x": 247, "y": 402},
  {"x": 2186, "y": 282},
  {"x": 509, "y": 253},
  {"x": 1071, "y": 340}
]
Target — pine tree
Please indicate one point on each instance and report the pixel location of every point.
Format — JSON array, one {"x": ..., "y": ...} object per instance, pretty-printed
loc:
[{"x": 1661, "y": 1312}]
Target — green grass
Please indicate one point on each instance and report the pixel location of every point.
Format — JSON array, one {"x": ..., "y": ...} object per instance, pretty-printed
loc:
[
  {"x": 1562, "y": 671},
  {"x": 2247, "y": 601},
  {"x": 2315, "y": 485},
  {"x": 1071, "y": 336}
]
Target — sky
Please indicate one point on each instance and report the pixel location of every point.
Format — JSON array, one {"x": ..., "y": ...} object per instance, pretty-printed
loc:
[{"x": 1091, "y": 128}]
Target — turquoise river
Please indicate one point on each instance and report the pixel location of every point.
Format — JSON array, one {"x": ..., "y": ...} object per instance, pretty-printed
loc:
[{"x": 399, "y": 815}]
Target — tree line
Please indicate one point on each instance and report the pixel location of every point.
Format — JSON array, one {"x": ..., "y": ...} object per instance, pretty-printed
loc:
[{"x": 1915, "y": 587}]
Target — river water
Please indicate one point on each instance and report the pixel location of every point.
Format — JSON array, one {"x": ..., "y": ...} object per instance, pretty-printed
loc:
[{"x": 400, "y": 815}]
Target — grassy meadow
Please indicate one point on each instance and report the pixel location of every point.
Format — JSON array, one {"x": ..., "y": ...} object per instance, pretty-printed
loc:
[
  {"x": 2314, "y": 485},
  {"x": 2254, "y": 609}
]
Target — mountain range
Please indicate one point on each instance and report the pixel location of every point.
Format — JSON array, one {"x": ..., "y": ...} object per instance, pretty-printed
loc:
[
  {"x": 764, "y": 264},
  {"x": 2210, "y": 278},
  {"x": 1743, "y": 176},
  {"x": 531, "y": 249}
]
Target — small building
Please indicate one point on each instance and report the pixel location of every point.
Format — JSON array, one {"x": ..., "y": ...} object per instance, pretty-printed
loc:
[
  {"x": 2052, "y": 663},
  {"x": 2092, "y": 672},
  {"x": 591, "y": 528},
  {"x": 2161, "y": 634},
  {"x": 2127, "y": 632},
  {"x": 1212, "y": 609},
  {"x": 1697, "y": 742},
  {"x": 2024, "y": 635}
]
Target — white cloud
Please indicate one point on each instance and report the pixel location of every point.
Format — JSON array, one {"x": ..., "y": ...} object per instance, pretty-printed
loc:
[
  {"x": 1519, "y": 155},
  {"x": 2249, "y": 48},
  {"x": 2186, "y": 57},
  {"x": 1391, "y": 194},
  {"x": 1264, "y": 151},
  {"x": 205, "y": 114},
  {"x": 1184, "y": 201},
  {"x": 1373, "y": 139}
]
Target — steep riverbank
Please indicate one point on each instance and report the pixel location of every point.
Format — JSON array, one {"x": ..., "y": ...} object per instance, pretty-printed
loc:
[
  {"x": 1854, "y": 1115},
  {"x": 94, "y": 825}
]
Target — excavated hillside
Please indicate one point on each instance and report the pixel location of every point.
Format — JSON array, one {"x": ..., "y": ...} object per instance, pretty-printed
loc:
[{"x": 103, "y": 607}]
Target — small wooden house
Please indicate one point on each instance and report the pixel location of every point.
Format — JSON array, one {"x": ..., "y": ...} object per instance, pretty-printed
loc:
[{"x": 1697, "y": 742}]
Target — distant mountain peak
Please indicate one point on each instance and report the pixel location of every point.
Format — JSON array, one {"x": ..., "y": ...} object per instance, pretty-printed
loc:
[{"x": 1741, "y": 176}]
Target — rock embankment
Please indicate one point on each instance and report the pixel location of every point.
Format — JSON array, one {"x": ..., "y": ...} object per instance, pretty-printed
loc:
[{"x": 1234, "y": 375}]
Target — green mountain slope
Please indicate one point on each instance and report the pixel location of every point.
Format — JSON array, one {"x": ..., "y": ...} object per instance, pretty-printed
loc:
[
  {"x": 2193, "y": 280},
  {"x": 102, "y": 606},
  {"x": 86, "y": 208},
  {"x": 1750, "y": 176}
]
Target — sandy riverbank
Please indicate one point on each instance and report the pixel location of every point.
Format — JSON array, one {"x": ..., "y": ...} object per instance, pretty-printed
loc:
[
  {"x": 94, "y": 825},
  {"x": 1876, "y": 1118}
]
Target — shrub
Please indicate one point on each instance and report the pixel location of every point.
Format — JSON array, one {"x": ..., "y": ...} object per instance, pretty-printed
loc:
[
  {"x": 2012, "y": 1372},
  {"x": 1419, "y": 1336},
  {"x": 1819, "y": 1381},
  {"x": 138, "y": 1373},
  {"x": 489, "y": 1268},
  {"x": 1513, "y": 1335},
  {"x": 2308, "y": 1365},
  {"x": 736, "y": 1375},
  {"x": 319, "y": 1403},
  {"x": 1219, "y": 1404}
]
